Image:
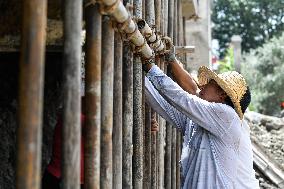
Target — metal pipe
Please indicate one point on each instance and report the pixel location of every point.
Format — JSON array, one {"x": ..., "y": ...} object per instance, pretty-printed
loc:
[
  {"x": 31, "y": 85},
  {"x": 107, "y": 103},
  {"x": 117, "y": 113},
  {"x": 137, "y": 112},
  {"x": 127, "y": 25},
  {"x": 92, "y": 130},
  {"x": 71, "y": 140}
]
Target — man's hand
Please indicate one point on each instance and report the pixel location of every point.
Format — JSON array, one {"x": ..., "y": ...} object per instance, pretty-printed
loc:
[
  {"x": 147, "y": 64},
  {"x": 154, "y": 125}
]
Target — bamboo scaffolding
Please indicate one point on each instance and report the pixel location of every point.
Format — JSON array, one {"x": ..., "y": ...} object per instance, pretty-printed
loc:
[
  {"x": 93, "y": 98},
  {"x": 147, "y": 148},
  {"x": 127, "y": 26},
  {"x": 107, "y": 103},
  {"x": 127, "y": 149},
  {"x": 137, "y": 112},
  {"x": 31, "y": 95},
  {"x": 72, "y": 95},
  {"x": 178, "y": 135},
  {"x": 152, "y": 38},
  {"x": 117, "y": 113}
]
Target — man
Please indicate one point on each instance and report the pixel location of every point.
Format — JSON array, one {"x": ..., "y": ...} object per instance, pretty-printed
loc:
[{"x": 217, "y": 151}]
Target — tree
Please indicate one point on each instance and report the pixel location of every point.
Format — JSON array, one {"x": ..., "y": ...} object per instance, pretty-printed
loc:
[
  {"x": 263, "y": 69},
  {"x": 255, "y": 21}
]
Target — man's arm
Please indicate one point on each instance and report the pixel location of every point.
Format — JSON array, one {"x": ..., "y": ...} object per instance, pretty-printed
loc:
[{"x": 183, "y": 78}]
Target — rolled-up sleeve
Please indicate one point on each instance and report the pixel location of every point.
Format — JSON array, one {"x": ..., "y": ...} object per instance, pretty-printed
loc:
[
  {"x": 162, "y": 107},
  {"x": 214, "y": 117}
]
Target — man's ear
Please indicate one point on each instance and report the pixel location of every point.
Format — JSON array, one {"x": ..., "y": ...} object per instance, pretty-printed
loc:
[{"x": 223, "y": 96}]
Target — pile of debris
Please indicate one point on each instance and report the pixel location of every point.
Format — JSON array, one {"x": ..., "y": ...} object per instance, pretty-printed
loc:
[{"x": 267, "y": 134}]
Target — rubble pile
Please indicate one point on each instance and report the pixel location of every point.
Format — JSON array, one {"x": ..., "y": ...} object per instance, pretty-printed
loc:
[{"x": 268, "y": 132}]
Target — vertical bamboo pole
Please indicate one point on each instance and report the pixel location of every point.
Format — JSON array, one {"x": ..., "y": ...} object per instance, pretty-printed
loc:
[
  {"x": 159, "y": 134},
  {"x": 117, "y": 113},
  {"x": 147, "y": 149},
  {"x": 178, "y": 139},
  {"x": 72, "y": 96},
  {"x": 92, "y": 128},
  {"x": 127, "y": 149},
  {"x": 31, "y": 95},
  {"x": 166, "y": 13},
  {"x": 184, "y": 36},
  {"x": 137, "y": 112},
  {"x": 151, "y": 143},
  {"x": 168, "y": 158},
  {"x": 174, "y": 131},
  {"x": 107, "y": 103},
  {"x": 160, "y": 137}
]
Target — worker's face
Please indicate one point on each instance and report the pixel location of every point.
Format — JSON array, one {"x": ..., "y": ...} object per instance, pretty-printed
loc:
[{"x": 212, "y": 92}]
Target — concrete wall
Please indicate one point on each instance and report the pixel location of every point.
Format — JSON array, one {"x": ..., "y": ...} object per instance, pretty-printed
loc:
[{"x": 198, "y": 34}]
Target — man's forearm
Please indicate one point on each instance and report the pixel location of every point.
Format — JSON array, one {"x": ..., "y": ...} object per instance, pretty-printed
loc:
[{"x": 183, "y": 78}]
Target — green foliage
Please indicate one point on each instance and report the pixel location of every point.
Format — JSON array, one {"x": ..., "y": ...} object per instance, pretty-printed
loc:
[
  {"x": 263, "y": 69},
  {"x": 227, "y": 63},
  {"x": 255, "y": 21}
]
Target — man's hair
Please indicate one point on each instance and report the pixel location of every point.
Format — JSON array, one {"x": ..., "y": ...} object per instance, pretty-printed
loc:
[{"x": 245, "y": 101}]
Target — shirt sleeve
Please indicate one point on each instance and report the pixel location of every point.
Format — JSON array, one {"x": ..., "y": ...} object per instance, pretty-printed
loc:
[
  {"x": 162, "y": 107},
  {"x": 214, "y": 117}
]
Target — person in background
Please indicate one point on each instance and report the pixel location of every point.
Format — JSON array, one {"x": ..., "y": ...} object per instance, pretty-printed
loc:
[
  {"x": 52, "y": 176},
  {"x": 216, "y": 151}
]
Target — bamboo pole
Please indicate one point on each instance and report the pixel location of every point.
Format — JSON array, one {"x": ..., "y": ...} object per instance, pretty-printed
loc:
[
  {"x": 72, "y": 95},
  {"x": 137, "y": 112},
  {"x": 152, "y": 38},
  {"x": 168, "y": 151},
  {"x": 128, "y": 26},
  {"x": 184, "y": 36},
  {"x": 92, "y": 128},
  {"x": 159, "y": 18},
  {"x": 151, "y": 141},
  {"x": 117, "y": 113},
  {"x": 127, "y": 149},
  {"x": 147, "y": 149},
  {"x": 174, "y": 131},
  {"x": 107, "y": 103},
  {"x": 31, "y": 95},
  {"x": 178, "y": 133}
]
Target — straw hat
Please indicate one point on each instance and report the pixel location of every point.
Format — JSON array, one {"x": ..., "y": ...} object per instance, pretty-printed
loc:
[{"x": 231, "y": 82}]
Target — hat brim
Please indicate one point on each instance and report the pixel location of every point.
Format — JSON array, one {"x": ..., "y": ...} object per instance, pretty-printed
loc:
[{"x": 205, "y": 75}]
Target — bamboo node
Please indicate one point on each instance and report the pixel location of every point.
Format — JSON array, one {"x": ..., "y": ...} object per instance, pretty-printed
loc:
[
  {"x": 89, "y": 3},
  {"x": 123, "y": 25},
  {"x": 106, "y": 10},
  {"x": 139, "y": 48}
]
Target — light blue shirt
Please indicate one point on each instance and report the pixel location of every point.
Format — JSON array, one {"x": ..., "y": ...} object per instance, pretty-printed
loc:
[{"x": 216, "y": 150}]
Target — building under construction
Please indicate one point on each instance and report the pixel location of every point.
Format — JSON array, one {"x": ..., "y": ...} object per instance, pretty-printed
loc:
[{"x": 52, "y": 53}]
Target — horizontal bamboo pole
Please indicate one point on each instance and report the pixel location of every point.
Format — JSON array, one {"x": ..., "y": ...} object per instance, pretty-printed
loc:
[
  {"x": 126, "y": 25},
  {"x": 152, "y": 38}
]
